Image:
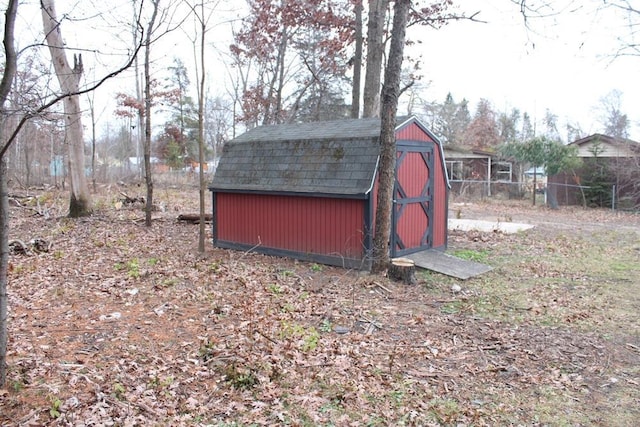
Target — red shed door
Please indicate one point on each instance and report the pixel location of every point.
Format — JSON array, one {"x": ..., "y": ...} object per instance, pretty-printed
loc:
[{"x": 412, "y": 217}]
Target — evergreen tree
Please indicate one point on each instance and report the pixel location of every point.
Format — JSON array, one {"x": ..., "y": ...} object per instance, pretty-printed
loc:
[{"x": 551, "y": 155}]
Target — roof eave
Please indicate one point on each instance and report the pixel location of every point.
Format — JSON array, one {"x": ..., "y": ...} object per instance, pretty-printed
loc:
[{"x": 354, "y": 195}]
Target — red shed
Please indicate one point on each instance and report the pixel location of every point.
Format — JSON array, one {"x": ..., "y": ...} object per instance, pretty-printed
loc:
[{"x": 308, "y": 191}]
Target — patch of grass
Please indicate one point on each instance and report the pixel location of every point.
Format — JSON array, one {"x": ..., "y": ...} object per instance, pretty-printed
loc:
[
  {"x": 275, "y": 289},
  {"x": 54, "y": 408},
  {"x": 16, "y": 386},
  {"x": 240, "y": 377},
  {"x": 434, "y": 281},
  {"x": 287, "y": 308},
  {"x": 161, "y": 383},
  {"x": 207, "y": 350},
  {"x": 66, "y": 225},
  {"x": 214, "y": 267},
  {"x": 326, "y": 326},
  {"x": 118, "y": 391},
  {"x": 316, "y": 268},
  {"x": 590, "y": 282},
  {"x": 480, "y": 256},
  {"x": 460, "y": 306},
  {"x": 287, "y": 273},
  {"x": 17, "y": 269},
  {"x": 444, "y": 411},
  {"x": 396, "y": 396},
  {"x": 167, "y": 283},
  {"x": 453, "y": 307},
  {"x": 132, "y": 267},
  {"x": 306, "y": 337}
]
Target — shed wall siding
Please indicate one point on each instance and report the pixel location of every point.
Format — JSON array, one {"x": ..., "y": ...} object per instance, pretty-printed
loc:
[
  {"x": 441, "y": 203},
  {"x": 308, "y": 225},
  {"x": 412, "y": 132}
]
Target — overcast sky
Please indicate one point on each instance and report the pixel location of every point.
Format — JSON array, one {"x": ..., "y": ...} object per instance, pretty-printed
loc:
[{"x": 563, "y": 62}]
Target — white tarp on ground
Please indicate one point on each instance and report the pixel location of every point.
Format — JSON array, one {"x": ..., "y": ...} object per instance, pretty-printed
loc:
[{"x": 487, "y": 226}]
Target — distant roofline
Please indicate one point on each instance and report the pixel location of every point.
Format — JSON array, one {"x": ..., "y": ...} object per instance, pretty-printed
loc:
[{"x": 603, "y": 137}]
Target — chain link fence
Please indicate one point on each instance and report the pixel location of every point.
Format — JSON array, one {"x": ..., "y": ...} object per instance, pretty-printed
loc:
[{"x": 561, "y": 194}]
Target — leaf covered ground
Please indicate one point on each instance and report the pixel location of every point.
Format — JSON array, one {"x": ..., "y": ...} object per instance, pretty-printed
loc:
[{"x": 119, "y": 324}]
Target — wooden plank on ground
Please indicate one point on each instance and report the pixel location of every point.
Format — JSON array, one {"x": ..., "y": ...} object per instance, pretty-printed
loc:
[{"x": 448, "y": 264}]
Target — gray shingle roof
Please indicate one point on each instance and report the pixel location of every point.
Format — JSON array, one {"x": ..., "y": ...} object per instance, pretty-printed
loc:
[
  {"x": 334, "y": 129},
  {"x": 336, "y": 157},
  {"x": 327, "y": 166}
]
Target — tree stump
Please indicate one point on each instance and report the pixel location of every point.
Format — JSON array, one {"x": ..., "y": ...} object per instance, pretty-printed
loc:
[{"x": 402, "y": 270}]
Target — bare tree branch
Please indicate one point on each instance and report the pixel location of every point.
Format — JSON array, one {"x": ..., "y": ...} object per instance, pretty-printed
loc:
[
  {"x": 10, "y": 52},
  {"x": 417, "y": 17},
  {"x": 44, "y": 107}
]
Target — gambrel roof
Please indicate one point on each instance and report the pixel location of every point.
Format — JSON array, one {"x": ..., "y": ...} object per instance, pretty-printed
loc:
[
  {"x": 334, "y": 129},
  {"x": 325, "y": 166},
  {"x": 337, "y": 157}
]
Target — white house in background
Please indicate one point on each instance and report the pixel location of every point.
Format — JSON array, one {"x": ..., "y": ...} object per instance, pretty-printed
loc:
[
  {"x": 135, "y": 161},
  {"x": 620, "y": 158}
]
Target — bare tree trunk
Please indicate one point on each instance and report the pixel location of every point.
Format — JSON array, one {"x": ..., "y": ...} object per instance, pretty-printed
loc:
[
  {"x": 357, "y": 63},
  {"x": 203, "y": 32},
  {"x": 69, "y": 80},
  {"x": 27, "y": 167},
  {"x": 92, "y": 110},
  {"x": 535, "y": 184},
  {"x": 552, "y": 195},
  {"x": 136, "y": 68},
  {"x": 281, "y": 65},
  {"x": 10, "y": 67},
  {"x": 375, "y": 53},
  {"x": 4, "y": 264},
  {"x": 147, "y": 116},
  {"x": 387, "y": 167},
  {"x": 273, "y": 111}
]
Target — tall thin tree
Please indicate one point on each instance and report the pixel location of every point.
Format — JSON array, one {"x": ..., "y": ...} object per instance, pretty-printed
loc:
[
  {"x": 201, "y": 17},
  {"x": 357, "y": 61},
  {"x": 69, "y": 80},
  {"x": 147, "y": 117},
  {"x": 375, "y": 55},
  {"x": 10, "y": 67},
  {"x": 386, "y": 169}
]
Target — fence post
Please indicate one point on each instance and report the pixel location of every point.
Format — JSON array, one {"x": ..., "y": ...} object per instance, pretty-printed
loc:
[
  {"x": 613, "y": 197},
  {"x": 489, "y": 177}
]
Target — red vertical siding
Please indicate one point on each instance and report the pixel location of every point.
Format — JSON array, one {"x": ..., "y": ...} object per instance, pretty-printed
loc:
[
  {"x": 412, "y": 226},
  {"x": 440, "y": 202},
  {"x": 413, "y": 174},
  {"x": 413, "y": 132},
  {"x": 309, "y": 225},
  {"x": 412, "y": 221}
]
